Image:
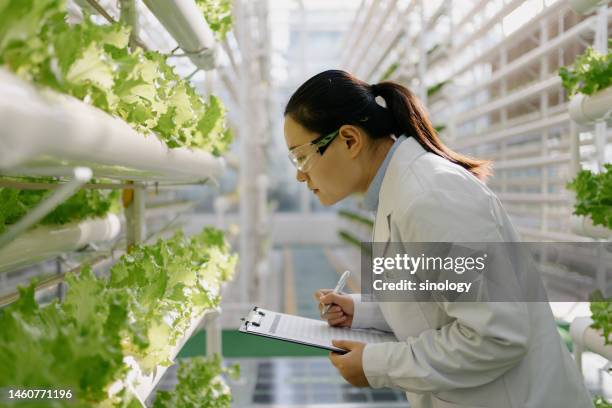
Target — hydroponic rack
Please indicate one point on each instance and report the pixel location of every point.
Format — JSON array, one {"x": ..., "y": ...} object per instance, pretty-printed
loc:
[{"x": 48, "y": 134}]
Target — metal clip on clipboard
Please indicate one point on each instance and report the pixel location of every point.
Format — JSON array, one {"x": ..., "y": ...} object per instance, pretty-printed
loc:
[{"x": 254, "y": 317}]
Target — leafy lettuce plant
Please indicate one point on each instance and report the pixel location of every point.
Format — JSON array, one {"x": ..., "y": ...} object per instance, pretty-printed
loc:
[
  {"x": 601, "y": 313},
  {"x": 600, "y": 402},
  {"x": 172, "y": 280},
  {"x": 200, "y": 384},
  {"x": 594, "y": 195},
  {"x": 590, "y": 72},
  {"x": 73, "y": 346},
  {"x": 93, "y": 63},
  {"x": 85, "y": 203},
  {"x": 218, "y": 15},
  {"x": 141, "y": 310}
]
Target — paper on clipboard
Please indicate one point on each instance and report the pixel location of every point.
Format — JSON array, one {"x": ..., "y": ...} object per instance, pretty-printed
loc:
[{"x": 309, "y": 332}]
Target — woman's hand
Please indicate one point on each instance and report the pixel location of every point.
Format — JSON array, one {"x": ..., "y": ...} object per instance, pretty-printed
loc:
[
  {"x": 350, "y": 365},
  {"x": 341, "y": 312}
]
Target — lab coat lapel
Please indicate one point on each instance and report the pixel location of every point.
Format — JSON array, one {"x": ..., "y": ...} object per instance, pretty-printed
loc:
[{"x": 405, "y": 154}]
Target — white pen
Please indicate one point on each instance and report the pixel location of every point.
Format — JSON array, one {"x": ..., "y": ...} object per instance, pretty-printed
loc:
[{"x": 337, "y": 289}]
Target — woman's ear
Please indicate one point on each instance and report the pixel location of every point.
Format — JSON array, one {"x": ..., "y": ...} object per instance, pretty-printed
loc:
[{"x": 352, "y": 139}]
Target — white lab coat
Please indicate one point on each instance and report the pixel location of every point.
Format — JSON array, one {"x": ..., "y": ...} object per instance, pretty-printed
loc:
[{"x": 461, "y": 354}]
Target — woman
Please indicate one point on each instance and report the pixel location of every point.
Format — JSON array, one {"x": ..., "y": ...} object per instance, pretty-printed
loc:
[{"x": 341, "y": 134}]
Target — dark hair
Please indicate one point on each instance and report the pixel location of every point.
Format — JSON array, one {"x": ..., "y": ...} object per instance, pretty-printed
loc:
[{"x": 334, "y": 98}]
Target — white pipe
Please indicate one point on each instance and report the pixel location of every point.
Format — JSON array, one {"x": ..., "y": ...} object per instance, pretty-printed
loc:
[
  {"x": 586, "y": 109},
  {"x": 45, "y": 242},
  {"x": 378, "y": 29},
  {"x": 348, "y": 34},
  {"x": 185, "y": 22},
  {"x": 60, "y": 131},
  {"x": 585, "y": 338},
  {"x": 81, "y": 175},
  {"x": 512, "y": 98},
  {"x": 497, "y": 133},
  {"x": 552, "y": 235},
  {"x": 534, "y": 198},
  {"x": 537, "y": 161},
  {"x": 586, "y": 6},
  {"x": 388, "y": 43},
  {"x": 582, "y": 225},
  {"x": 361, "y": 30},
  {"x": 514, "y": 38},
  {"x": 524, "y": 60},
  {"x": 496, "y": 18}
]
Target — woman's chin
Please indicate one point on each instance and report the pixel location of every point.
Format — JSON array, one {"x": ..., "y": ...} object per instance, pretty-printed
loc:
[{"x": 325, "y": 200}]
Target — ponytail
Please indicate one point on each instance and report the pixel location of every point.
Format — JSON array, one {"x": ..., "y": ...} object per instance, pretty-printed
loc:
[
  {"x": 334, "y": 98},
  {"x": 410, "y": 119}
]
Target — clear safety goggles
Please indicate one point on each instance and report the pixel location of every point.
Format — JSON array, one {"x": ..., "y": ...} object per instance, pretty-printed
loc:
[{"x": 305, "y": 156}]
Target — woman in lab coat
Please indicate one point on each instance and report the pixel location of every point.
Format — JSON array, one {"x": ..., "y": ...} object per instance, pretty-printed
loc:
[{"x": 341, "y": 134}]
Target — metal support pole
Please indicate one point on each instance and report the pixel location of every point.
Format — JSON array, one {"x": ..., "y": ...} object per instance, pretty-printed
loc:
[
  {"x": 214, "y": 344},
  {"x": 503, "y": 91},
  {"x": 129, "y": 17},
  {"x": 544, "y": 102},
  {"x": 601, "y": 45},
  {"x": 422, "y": 56},
  {"x": 247, "y": 149},
  {"x": 134, "y": 204}
]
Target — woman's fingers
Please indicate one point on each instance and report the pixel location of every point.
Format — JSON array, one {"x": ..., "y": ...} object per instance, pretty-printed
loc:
[
  {"x": 333, "y": 315},
  {"x": 334, "y": 309},
  {"x": 338, "y": 321},
  {"x": 321, "y": 292}
]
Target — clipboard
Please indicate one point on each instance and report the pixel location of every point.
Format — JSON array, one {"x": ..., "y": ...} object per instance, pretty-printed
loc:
[{"x": 306, "y": 331}]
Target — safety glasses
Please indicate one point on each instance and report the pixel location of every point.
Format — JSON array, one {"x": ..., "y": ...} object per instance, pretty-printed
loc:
[{"x": 305, "y": 156}]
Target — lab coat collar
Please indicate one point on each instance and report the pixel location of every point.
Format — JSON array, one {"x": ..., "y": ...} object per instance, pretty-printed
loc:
[
  {"x": 370, "y": 201},
  {"x": 406, "y": 153},
  {"x": 390, "y": 197}
]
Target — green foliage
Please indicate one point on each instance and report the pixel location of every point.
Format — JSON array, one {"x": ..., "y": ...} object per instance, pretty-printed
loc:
[
  {"x": 349, "y": 238},
  {"x": 600, "y": 402},
  {"x": 590, "y": 73},
  {"x": 200, "y": 385},
  {"x": 356, "y": 217},
  {"x": 218, "y": 15},
  {"x": 53, "y": 347},
  {"x": 594, "y": 195},
  {"x": 93, "y": 63},
  {"x": 601, "y": 313},
  {"x": 85, "y": 203},
  {"x": 439, "y": 128},
  {"x": 142, "y": 310},
  {"x": 434, "y": 89},
  {"x": 172, "y": 280},
  {"x": 389, "y": 71},
  {"x": 433, "y": 49}
]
